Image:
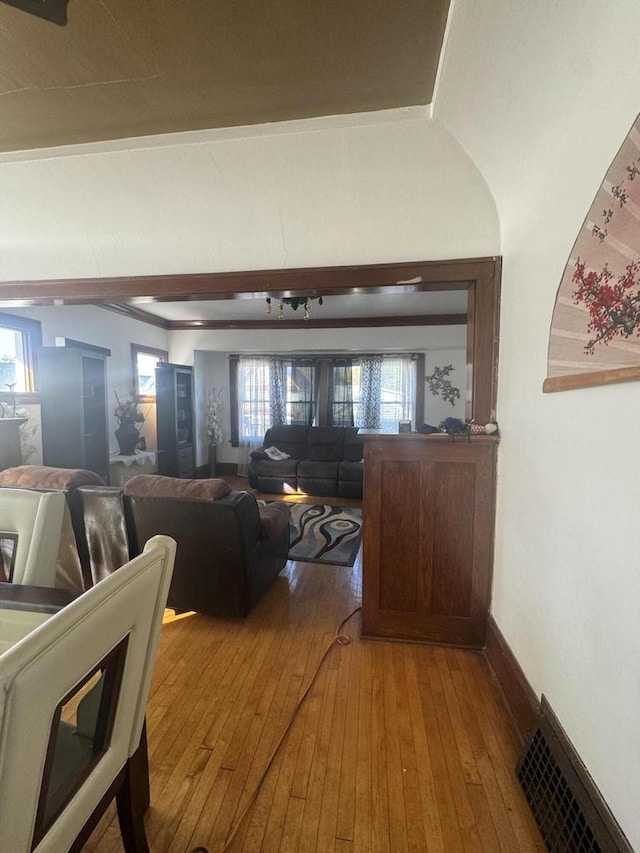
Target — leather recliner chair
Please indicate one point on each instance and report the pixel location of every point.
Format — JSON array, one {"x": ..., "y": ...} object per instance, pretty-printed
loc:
[{"x": 230, "y": 549}]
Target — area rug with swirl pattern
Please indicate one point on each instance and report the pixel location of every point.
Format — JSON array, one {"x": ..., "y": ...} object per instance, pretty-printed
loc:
[{"x": 325, "y": 534}]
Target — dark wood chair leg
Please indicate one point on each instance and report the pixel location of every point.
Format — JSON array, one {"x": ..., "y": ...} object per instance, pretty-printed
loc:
[
  {"x": 142, "y": 755},
  {"x": 130, "y": 800}
]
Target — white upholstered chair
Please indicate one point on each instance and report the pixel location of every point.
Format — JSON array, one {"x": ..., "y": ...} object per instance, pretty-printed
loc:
[
  {"x": 73, "y": 694},
  {"x": 31, "y": 524}
]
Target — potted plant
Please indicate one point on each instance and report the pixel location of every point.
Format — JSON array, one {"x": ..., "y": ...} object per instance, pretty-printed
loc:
[{"x": 128, "y": 416}]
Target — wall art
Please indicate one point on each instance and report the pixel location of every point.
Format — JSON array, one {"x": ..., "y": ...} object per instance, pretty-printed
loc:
[{"x": 595, "y": 329}]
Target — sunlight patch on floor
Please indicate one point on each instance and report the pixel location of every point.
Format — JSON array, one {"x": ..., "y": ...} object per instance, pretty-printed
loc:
[{"x": 171, "y": 616}]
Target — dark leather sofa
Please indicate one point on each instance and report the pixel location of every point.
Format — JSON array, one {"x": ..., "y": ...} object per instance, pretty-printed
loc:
[
  {"x": 230, "y": 548},
  {"x": 324, "y": 461}
]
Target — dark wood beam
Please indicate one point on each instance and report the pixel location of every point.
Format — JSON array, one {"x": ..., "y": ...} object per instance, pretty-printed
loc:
[
  {"x": 136, "y": 314},
  {"x": 409, "y": 276},
  {"x": 330, "y": 323}
]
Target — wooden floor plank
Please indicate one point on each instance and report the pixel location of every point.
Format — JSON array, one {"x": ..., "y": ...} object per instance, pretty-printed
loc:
[
  {"x": 398, "y": 747},
  {"x": 380, "y": 840},
  {"x": 502, "y": 752},
  {"x": 326, "y": 685},
  {"x": 397, "y": 817},
  {"x": 474, "y": 727},
  {"x": 471, "y": 842},
  {"x": 431, "y": 816},
  {"x": 345, "y": 819},
  {"x": 363, "y": 794},
  {"x": 410, "y": 780},
  {"x": 340, "y": 656}
]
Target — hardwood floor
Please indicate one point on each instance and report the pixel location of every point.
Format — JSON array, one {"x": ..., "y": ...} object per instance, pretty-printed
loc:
[{"x": 398, "y": 747}]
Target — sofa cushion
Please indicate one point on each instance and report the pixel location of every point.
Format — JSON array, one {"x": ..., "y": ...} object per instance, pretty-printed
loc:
[
  {"x": 158, "y": 486},
  {"x": 271, "y": 468},
  {"x": 325, "y": 444},
  {"x": 291, "y": 438},
  {"x": 353, "y": 445},
  {"x": 351, "y": 471},
  {"x": 318, "y": 470},
  {"x": 274, "y": 517},
  {"x": 47, "y": 477},
  {"x": 318, "y": 478}
]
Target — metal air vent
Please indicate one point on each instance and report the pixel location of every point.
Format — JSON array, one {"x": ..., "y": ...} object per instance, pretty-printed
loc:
[{"x": 567, "y": 806}]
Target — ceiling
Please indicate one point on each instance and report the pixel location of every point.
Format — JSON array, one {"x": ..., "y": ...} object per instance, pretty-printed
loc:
[
  {"x": 335, "y": 306},
  {"x": 120, "y": 69}
]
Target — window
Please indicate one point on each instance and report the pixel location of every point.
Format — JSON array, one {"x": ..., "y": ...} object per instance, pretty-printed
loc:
[
  {"x": 397, "y": 392},
  {"x": 144, "y": 361},
  {"x": 344, "y": 393},
  {"x": 20, "y": 340},
  {"x": 300, "y": 392},
  {"x": 254, "y": 393},
  {"x": 371, "y": 391}
]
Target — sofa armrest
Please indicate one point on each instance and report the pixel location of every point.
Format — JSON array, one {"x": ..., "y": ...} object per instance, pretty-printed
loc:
[{"x": 274, "y": 517}]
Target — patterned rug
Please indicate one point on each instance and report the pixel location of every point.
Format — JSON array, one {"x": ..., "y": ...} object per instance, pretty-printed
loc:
[{"x": 325, "y": 534}]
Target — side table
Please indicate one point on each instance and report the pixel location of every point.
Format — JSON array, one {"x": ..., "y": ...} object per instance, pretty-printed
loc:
[{"x": 123, "y": 468}]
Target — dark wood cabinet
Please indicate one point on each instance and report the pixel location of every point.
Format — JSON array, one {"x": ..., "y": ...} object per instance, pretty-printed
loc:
[
  {"x": 429, "y": 508},
  {"x": 73, "y": 404},
  {"x": 175, "y": 420}
]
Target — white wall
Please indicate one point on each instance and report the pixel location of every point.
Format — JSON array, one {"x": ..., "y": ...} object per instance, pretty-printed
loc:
[
  {"x": 389, "y": 188},
  {"x": 541, "y": 96},
  {"x": 435, "y": 408},
  {"x": 104, "y": 329}
]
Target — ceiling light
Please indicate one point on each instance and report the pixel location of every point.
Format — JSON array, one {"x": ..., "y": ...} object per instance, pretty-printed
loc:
[
  {"x": 294, "y": 302},
  {"x": 51, "y": 10}
]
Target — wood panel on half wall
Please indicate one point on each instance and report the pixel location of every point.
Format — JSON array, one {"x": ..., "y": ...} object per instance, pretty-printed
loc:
[{"x": 428, "y": 537}]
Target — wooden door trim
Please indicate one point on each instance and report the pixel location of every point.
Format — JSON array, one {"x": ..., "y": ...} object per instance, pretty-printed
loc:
[{"x": 480, "y": 277}]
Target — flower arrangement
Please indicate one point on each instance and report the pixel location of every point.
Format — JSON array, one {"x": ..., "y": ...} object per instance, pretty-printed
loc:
[
  {"x": 454, "y": 426},
  {"x": 127, "y": 411},
  {"x": 212, "y": 427}
]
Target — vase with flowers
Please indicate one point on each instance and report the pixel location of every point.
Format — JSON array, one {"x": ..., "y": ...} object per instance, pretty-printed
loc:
[
  {"x": 128, "y": 416},
  {"x": 212, "y": 427}
]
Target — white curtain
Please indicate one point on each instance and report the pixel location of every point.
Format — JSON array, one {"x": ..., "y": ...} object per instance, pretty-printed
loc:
[
  {"x": 398, "y": 397},
  {"x": 254, "y": 406}
]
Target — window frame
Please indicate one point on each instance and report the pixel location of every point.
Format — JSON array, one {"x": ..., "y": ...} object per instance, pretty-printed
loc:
[
  {"x": 159, "y": 354},
  {"x": 324, "y": 363},
  {"x": 31, "y": 331}
]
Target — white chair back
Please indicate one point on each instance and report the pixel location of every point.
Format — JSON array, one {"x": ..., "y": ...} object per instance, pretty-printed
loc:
[
  {"x": 60, "y": 756},
  {"x": 33, "y": 521}
]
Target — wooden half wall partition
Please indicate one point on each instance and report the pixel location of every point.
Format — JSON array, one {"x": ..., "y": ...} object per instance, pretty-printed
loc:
[{"x": 428, "y": 509}]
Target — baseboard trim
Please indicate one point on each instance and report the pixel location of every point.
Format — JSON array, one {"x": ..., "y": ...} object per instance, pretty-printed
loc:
[{"x": 521, "y": 701}]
